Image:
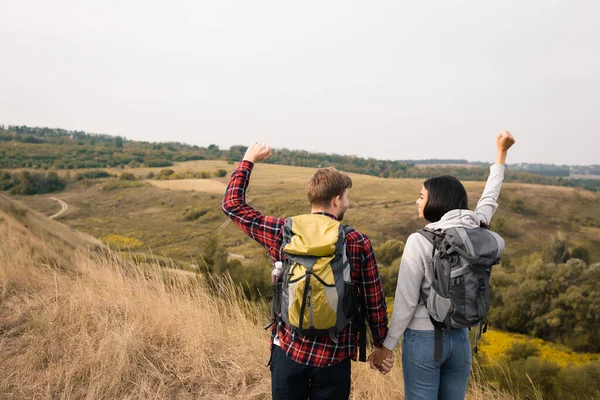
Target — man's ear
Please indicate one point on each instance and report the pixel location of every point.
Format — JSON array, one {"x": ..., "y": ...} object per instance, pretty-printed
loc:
[{"x": 335, "y": 202}]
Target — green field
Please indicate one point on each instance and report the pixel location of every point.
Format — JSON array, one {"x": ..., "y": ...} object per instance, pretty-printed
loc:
[{"x": 529, "y": 215}]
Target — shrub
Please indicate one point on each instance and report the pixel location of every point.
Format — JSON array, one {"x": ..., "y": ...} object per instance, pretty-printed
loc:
[
  {"x": 518, "y": 376},
  {"x": 114, "y": 184},
  {"x": 520, "y": 207},
  {"x": 579, "y": 382},
  {"x": 5, "y": 180},
  {"x": 498, "y": 225},
  {"x": 157, "y": 163},
  {"x": 164, "y": 174},
  {"x": 122, "y": 242},
  {"x": 389, "y": 251},
  {"x": 522, "y": 351},
  {"x": 28, "y": 183},
  {"x": 221, "y": 173},
  {"x": 93, "y": 174},
  {"x": 127, "y": 176},
  {"x": 194, "y": 214},
  {"x": 581, "y": 253}
]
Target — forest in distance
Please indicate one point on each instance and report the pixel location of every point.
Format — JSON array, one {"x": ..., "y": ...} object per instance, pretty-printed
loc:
[{"x": 53, "y": 148}]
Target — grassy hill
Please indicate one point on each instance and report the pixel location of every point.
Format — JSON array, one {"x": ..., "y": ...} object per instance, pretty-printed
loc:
[
  {"x": 92, "y": 325},
  {"x": 21, "y": 219},
  {"x": 158, "y": 217},
  {"x": 42, "y": 274}
]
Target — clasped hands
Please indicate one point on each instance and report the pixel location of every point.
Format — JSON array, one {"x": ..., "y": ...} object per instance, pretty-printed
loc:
[{"x": 381, "y": 359}]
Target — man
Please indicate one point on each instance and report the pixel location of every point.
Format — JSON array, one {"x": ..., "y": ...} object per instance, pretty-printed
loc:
[{"x": 315, "y": 367}]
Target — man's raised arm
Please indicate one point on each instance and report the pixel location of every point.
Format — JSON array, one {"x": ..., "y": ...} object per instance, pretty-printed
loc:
[{"x": 264, "y": 229}]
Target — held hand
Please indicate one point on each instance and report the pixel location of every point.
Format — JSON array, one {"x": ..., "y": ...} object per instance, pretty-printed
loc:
[
  {"x": 381, "y": 359},
  {"x": 504, "y": 141},
  {"x": 257, "y": 152},
  {"x": 387, "y": 364}
]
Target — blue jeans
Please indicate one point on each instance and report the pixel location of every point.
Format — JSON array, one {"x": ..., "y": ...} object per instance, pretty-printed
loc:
[
  {"x": 293, "y": 381},
  {"x": 427, "y": 379}
]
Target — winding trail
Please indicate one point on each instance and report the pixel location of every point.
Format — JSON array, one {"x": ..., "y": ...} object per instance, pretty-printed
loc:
[{"x": 64, "y": 208}]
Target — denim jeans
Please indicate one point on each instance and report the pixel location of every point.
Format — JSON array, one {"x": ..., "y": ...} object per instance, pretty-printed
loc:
[
  {"x": 427, "y": 379},
  {"x": 291, "y": 380}
]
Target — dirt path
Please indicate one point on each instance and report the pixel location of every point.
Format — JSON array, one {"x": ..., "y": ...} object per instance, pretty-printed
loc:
[{"x": 64, "y": 208}]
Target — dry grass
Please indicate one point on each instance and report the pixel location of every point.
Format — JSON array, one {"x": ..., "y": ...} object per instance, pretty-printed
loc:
[
  {"x": 102, "y": 328},
  {"x": 110, "y": 330}
]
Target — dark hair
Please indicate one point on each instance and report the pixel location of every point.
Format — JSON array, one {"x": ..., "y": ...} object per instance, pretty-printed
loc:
[
  {"x": 325, "y": 184},
  {"x": 445, "y": 193}
]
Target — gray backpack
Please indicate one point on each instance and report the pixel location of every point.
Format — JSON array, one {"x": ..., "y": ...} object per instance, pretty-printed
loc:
[{"x": 462, "y": 261}]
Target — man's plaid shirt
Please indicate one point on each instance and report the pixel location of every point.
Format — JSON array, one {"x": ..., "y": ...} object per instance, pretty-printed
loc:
[{"x": 315, "y": 351}]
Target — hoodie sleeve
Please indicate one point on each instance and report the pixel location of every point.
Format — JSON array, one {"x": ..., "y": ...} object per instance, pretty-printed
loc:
[
  {"x": 408, "y": 289},
  {"x": 487, "y": 205}
]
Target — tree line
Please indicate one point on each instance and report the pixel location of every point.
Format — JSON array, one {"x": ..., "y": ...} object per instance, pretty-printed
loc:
[{"x": 49, "y": 148}]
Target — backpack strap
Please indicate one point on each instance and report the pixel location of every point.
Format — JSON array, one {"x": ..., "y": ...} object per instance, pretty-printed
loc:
[
  {"x": 435, "y": 238},
  {"x": 431, "y": 234},
  {"x": 439, "y": 343},
  {"x": 361, "y": 310},
  {"x": 345, "y": 229},
  {"x": 481, "y": 329},
  {"x": 480, "y": 296}
]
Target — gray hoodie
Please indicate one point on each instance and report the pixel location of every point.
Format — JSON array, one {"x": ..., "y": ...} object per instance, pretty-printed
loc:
[{"x": 414, "y": 277}]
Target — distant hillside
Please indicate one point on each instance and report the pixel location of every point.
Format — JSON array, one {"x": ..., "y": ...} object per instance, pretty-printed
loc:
[
  {"x": 54, "y": 148},
  {"x": 76, "y": 324},
  {"x": 549, "y": 231},
  {"x": 83, "y": 325}
]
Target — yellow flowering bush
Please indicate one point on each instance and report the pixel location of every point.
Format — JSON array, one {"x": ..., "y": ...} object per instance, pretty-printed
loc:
[
  {"x": 494, "y": 345},
  {"x": 122, "y": 242}
]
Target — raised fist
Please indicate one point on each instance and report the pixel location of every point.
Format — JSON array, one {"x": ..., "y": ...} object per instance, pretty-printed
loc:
[{"x": 257, "y": 152}]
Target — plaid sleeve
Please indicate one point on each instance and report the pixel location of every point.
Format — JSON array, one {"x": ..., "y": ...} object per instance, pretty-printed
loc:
[
  {"x": 372, "y": 292},
  {"x": 264, "y": 229}
]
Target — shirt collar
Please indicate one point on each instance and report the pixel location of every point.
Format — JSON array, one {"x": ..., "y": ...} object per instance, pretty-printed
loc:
[{"x": 327, "y": 214}]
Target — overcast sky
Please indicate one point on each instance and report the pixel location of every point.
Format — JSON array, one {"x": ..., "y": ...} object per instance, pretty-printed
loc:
[{"x": 386, "y": 79}]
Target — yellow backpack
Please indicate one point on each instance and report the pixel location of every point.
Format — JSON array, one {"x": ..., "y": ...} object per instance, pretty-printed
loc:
[{"x": 314, "y": 296}]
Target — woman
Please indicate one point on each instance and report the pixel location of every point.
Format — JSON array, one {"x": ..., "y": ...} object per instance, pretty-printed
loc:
[{"x": 443, "y": 202}]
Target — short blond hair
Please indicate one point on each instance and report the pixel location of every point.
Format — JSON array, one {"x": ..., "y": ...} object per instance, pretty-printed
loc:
[{"x": 326, "y": 184}]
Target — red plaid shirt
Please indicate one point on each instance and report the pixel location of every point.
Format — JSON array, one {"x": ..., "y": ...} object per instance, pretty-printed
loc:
[{"x": 319, "y": 351}]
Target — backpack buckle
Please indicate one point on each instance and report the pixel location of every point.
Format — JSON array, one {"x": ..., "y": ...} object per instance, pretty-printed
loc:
[{"x": 481, "y": 283}]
